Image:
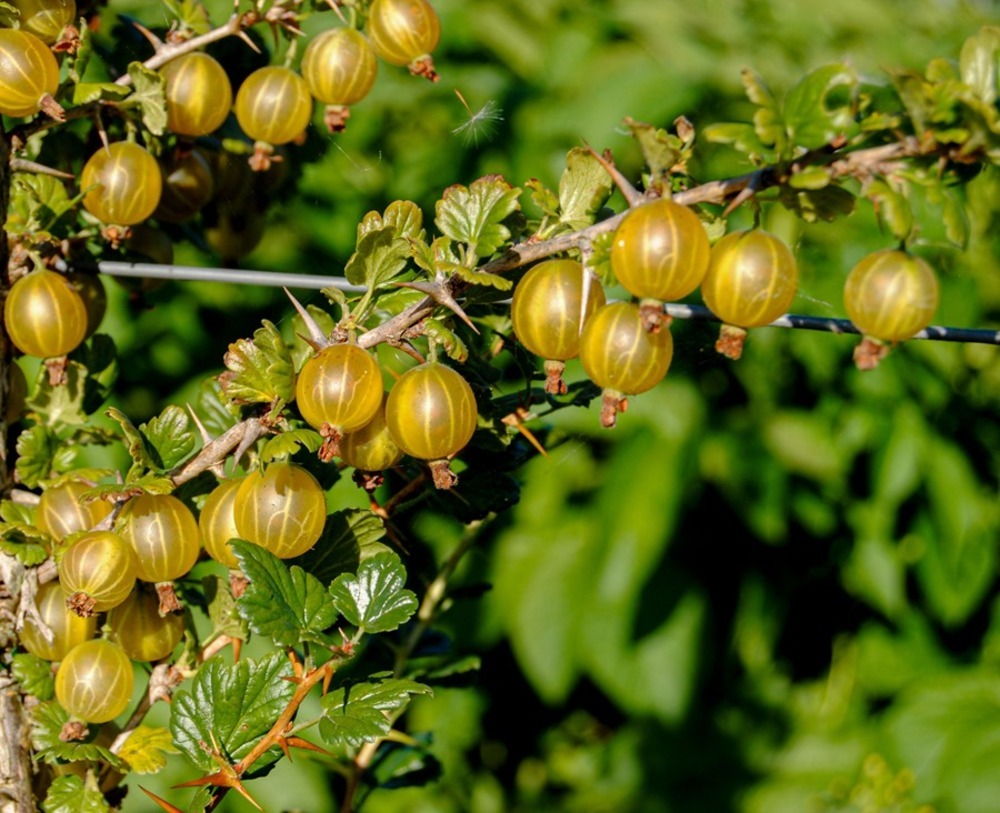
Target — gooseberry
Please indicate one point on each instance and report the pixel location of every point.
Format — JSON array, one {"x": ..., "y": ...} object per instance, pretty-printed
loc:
[
  {"x": 338, "y": 390},
  {"x": 61, "y": 512},
  {"x": 339, "y": 67},
  {"x": 431, "y": 415},
  {"x": 282, "y": 509},
  {"x": 273, "y": 106},
  {"x": 198, "y": 92},
  {"x": 547, "y": 314},
  {"x": 890, "y": 296},
  {"x": 163, "y": 534},
  {"x": 751, "y": 281},
  {"x": 141, "y": 631},
  {"x": 187, "y": 187},
  {"x": 29, "y": 74},
  {"x": 68, "y": 629},
  {"x": 122, "y": 183},
  {"x": 217, "y": 522},
  {"x": 94, "y": 681},
  {"x": 97, "y": 572},
  {"x": 371, "y": 448},
  {"x": 44, "y": 314},
  {"x": 46, "y": 19},
  {"x": 622, "y": 357},
  {"x": 660, "y": 254},
  {"x": 405, "y": 32}
]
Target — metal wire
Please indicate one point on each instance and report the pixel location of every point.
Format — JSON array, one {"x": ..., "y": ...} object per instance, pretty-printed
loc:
[{"x": 239, "y": 276}]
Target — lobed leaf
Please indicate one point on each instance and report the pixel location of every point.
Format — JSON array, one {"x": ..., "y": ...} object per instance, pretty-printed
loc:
[
  {"x": 145, "y": 751},
  {"x": 356, "y": 714},
  {"x": 36, "y": 450},
  {"x": 585, "y": 186},
  {"x": 474, "y": 215},
  {"x": 47, "y": 721},
  {"x": 660, "y": 150},
  {"x": 375, "y": 600},
  {"x": 259, "y": 370},
  {"x": 150, "y": 95},
  {"x": 282, "y": 601},
  {"x": 223, "y": 611},
  {"x": 229, "y": 709},
  {"x": 25, "y": 542},
  {"x": 34, "y": 675},
  {"x": 288, "y": 443},
  {"x": 339, "y": 549},
  {"x": 87, "y": 92},
  {"x": 169, "y": 437},
  {"x": 819, "y": 107},
  {"x": 383, "y": 246},
  {"x": 70, "y": 794}
]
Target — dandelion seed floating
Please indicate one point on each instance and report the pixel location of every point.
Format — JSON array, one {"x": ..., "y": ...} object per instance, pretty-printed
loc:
[{"x": 482, "y": 122}]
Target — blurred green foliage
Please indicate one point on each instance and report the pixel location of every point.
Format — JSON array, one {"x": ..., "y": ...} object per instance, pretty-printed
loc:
[{"x": 774, "y": 586}]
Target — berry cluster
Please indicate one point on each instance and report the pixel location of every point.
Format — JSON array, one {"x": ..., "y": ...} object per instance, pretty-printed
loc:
[{"x": 661, "y": 253}]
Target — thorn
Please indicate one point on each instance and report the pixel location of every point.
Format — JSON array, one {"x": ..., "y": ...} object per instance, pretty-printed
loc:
[
  {"x": 296, "y": 664},
  {"x": 744, "y": 195},
  {"x": 215, "y": 468},
  {"x": 24, "y": 165},
  {"x": 440, "y": 294},
  {"x": 222, "y": 779},
  {"x": 246, "y": 38},
  {"x": 317, "y": 335},
  {"x": 165, "y": 805},
  {"x": 327, "y": 677},
  {"x": 632, "y": 195},
  {"x": 154, "y": 40},
  {"x": 305, "y": 745},
  {"x": 249, "y": 439}
]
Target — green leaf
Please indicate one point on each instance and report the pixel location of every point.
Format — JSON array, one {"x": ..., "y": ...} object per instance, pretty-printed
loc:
[
  {"x": 281, "y": 601},
  {"x": 150, "y": 95},
  {"x": 543, "y": 198},
  {"x": 38, "y": 200},
  {"x": 25, "y": 542},
  {"x": 61, "y": 404},
  {"x": 47, "y": 721},
  {"x": 192, "y": 14},
  {"x": 978, "y": 63},
  {"x": 87, "y": 92},
  {"x": 476, "y": 277},
  {"x": 146, "y": 749},
  {"x": 742, "y": 137},
  {"x": 36, "y": 450},
  {"x": 339, "y": 548},
  {"x": 819, "y": 108},
  {"x": 892, "y": 206},
  {"x": 810, "y": 178},
  {"x": 169, "y": 437},
  {"x": 231, "y": 708},
  {"x": 584, "y": 188},
  {"x": 34, "y": 675},
  {"x": 259, "y": 370},
  {"x": 99, "y": 358},
  {"x": 660, "y": 150},
  {"x": 135, "y": 442},
  {"x": 288, "y": 443},
  {"x": 827, "y": 203},
  {"x": 447, "y": 339},
  {"x": 70, "y": 794},
  {"x": 383, "y": 246},
  {"x": 223, "y": 610},
  {"x": 375, "y": 600},
  {"x": 767, "y": 121},
  {"x": 474, "y": 215},
  {"x": 356, "y": 714},
  {"x": 77, "y": 63}
]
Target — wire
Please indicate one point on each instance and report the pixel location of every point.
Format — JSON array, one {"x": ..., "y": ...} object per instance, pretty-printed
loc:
[{"x": 239, "y": 276}]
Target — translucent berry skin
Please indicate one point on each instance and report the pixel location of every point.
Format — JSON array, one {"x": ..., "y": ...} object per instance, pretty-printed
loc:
[
  {"x": 401, "y": 31},
  {"x": 44, "y": 314},
  {"x": 341, "y": 386},
  {"x": 431, "y": 412},
  {"x": 619, "y": 354},
  {"x": 163, "y": 534},
  {"x": 273, "y": 105},
  {"x": 60, "y": 511},
  {"x": 891, "y": 295},
  {"x": 187, "y": 187},
  {"x": 371, "y": 448},
  {"x": 217, "y": 522},
  {"x": 68, "y": 629},
  {"x": 339, "y": 66},
  {"x": 752, "y": 279},
  {"x": 46, "y": 19},
  {"x": 283, "y": 510},
  {"x": 101, "y": 565},
  {"x": 139, "y": 629},
  {"x": 199, "y": 95},
  {"x": 94, "y": 681},
  {"x": 546, "y": 308},
  {"x": 28, "y": 71},
  {"x": 126, "y": 184},
  {"x": 660, "y": 251}
]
